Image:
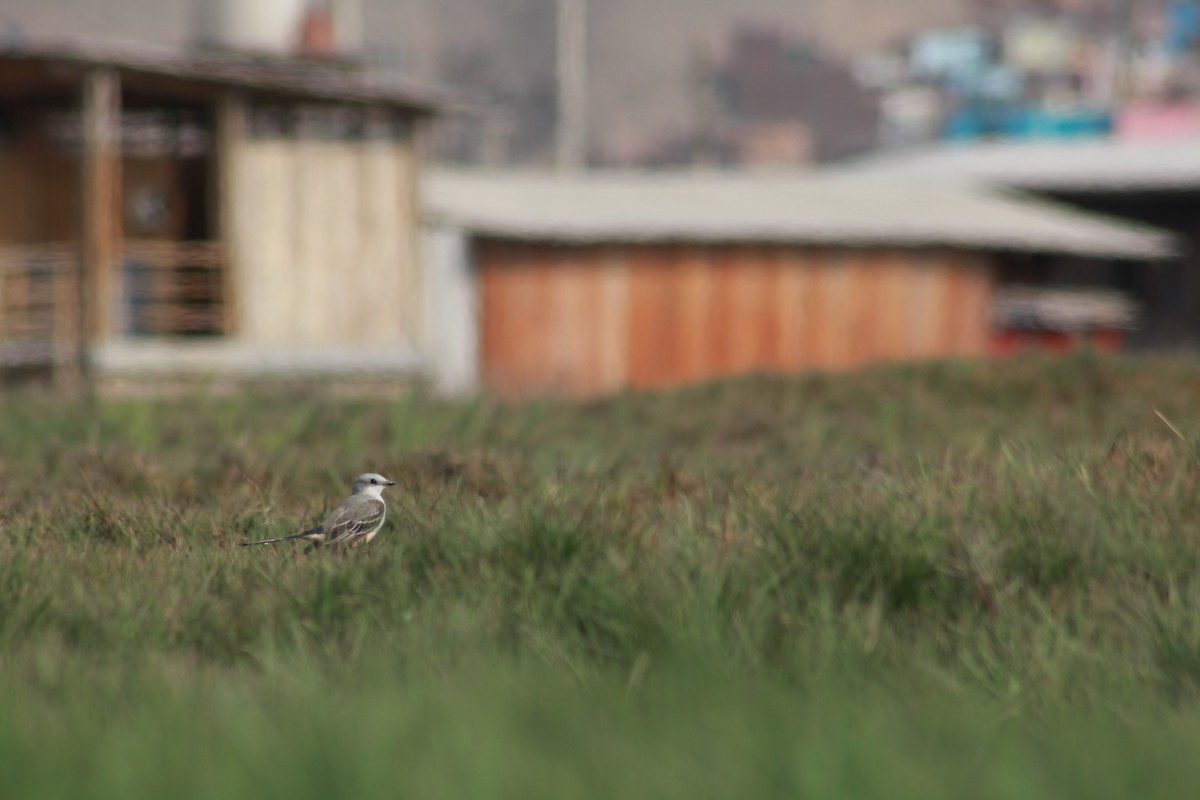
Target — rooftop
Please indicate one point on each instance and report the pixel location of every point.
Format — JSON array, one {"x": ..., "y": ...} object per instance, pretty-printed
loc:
[
  {"x": 28, "y": 67},
  {"x": 1095, "y": 165},
  {"x": 800, "y": 208}
]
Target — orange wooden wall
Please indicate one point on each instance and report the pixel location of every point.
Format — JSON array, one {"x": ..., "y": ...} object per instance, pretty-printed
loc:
[{"x": 584, "y": 320}]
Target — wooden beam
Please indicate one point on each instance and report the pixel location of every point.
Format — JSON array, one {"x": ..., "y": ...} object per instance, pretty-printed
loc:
[
  {"x": 100, "y": 203},
  {"x": 230, "y": 139}
]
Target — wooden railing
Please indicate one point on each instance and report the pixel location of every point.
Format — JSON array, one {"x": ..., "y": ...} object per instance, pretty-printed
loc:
[
  {"x": 172, "y": 289},
  {"x": 39, "y": 304},
  {"x": 161, "y": 289}
]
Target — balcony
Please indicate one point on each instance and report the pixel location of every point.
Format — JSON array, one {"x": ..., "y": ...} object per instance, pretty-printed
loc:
[{"x": 162, "y": 290}]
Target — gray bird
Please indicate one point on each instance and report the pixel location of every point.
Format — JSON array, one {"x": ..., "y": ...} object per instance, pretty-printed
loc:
[{"x": 357, "y": 519}]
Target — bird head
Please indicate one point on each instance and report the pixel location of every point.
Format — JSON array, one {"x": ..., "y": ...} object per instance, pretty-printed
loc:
[{"x": 371, "y": 483}]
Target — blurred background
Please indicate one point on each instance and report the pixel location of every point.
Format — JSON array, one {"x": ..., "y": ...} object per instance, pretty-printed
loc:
[
  {"x": 272, "y": 152},
  {"x": 761, "y": 81}
]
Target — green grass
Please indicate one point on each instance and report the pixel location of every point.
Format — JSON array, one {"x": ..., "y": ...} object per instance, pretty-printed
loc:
[{"x": 931, "y": 582}]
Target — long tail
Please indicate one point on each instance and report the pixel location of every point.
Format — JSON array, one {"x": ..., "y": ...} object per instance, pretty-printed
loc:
[{"x": 310, "y": 533}]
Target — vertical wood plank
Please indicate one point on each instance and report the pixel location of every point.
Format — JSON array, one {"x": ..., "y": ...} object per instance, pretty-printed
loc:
[
  {"x": 600, "y": 319},
  {"x": 744, "y": 320},
  {"x": 928, "y": 309},
  {"x": 100, "y": 180},
  {"x": 860, "y": 308},
  {"x": 972, "y": 297},
  {"x": 578, "y": 269},
  {"x": 669, "y": 269},
  {"x": 956, "y": 318},
  {"x": 519, "y": 284},
  {"x": 818, "y": 332},
  {"x": 225, "y": 204},
  {"x": 755, "y": 329},
  {"x": 695, "y": 313},
  {"x": 491, "y": 342},
  {"x": 723, "y": 314},
  {"x": 886, "y": 265},
  {"x": 908, "y": 278},
  {"x": 836, "y": 311},
  {"x": 942, "y": 297},
  {"x": 527, "y": 321},
  {"x": 642, "y": 310},
  {"x": 543, "y": 334},
  {"x": 774, "y": 310},
  {"x": 613, "y": 332},
  {"x": 648, "y": 354},
  {"x": 563, "y": 281},
  {"x": 791, "y": 302},
  {"x": 804, "y": 295}
]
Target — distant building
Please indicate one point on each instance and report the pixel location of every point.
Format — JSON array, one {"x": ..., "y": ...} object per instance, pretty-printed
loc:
[
  {"x": 1042, "y": 71},
  {"x": 205, "y": 211},
  {"x": 587, "y": 284},
  {"x": 1152, "y": 181}
]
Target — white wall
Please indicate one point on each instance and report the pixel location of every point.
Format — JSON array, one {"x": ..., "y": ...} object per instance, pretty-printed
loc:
[{"x": 451, "y": 335}]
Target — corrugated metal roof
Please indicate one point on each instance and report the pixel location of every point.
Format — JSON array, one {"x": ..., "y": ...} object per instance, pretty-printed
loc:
[
  {"x": 288, "y": 77},
  {"x": 806, "y": 208},
  {"x": 1093, "y": 165}
]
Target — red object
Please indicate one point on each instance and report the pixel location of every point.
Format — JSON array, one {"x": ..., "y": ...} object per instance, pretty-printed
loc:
[
  {"x": 1007, "y": 341},
  {"x": 316, "y": 34}
]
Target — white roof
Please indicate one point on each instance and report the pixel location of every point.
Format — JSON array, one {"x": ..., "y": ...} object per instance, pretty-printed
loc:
[
  {"x": 1089, "y": 165},
  {"x": 801, "y": 208}
]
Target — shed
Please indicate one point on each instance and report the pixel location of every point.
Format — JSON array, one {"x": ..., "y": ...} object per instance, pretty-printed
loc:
[
  {"x": 166, "y": 212},
  {"x": 1148, "y": 181},
  {"x": 589, "y": 283}
]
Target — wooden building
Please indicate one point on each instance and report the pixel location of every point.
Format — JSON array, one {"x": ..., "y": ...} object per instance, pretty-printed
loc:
[
  {"x": 172, "y": 212},
  {"x": 586, "y": 284}
]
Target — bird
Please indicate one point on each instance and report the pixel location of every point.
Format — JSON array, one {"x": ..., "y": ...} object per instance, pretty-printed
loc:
[{"x": 357, "y": 519}]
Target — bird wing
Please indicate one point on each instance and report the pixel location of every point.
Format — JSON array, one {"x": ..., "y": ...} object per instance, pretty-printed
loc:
[{"x": 356, "y": 517}]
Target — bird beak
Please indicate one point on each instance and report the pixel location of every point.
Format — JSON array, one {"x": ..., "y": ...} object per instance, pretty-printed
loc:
[{"x": 391, "y": 483}]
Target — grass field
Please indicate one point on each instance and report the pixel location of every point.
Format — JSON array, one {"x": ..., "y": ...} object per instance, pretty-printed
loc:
[{"x": 945, "y": 581}]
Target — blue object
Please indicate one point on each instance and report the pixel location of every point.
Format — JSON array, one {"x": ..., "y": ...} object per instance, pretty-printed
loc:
[
  {"x": 1183, "y": 26},
  {"x": 964, "y": 125},
  {"x": 1037, "y": 123},
  {"x": 979, "y": 120}
]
